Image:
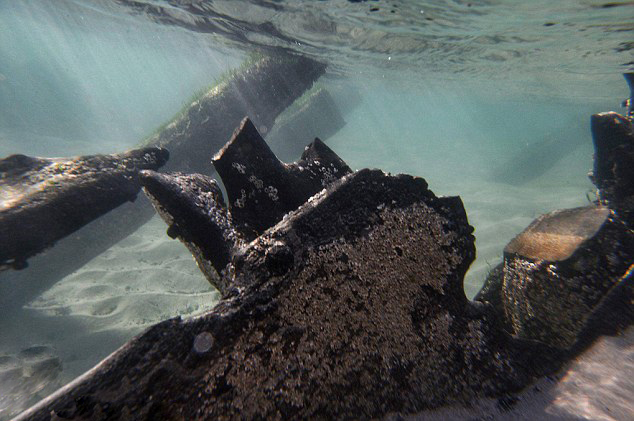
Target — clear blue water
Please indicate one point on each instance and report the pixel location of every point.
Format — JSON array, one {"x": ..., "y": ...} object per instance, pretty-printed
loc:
[{"x": 451, "y": 91}]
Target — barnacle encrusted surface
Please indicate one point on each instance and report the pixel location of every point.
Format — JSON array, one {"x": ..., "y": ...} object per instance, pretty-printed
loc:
[{"x": 350, "y": 306}]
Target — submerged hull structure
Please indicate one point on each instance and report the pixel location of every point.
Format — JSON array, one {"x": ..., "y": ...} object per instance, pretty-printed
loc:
[
  {"x": 44, "y": 200},
  {"x": 350, "y": 305},
  {"x": 263, "y": 88}
]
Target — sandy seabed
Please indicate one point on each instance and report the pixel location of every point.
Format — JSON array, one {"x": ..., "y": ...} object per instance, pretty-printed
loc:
[{"x": 142, "y": 280}]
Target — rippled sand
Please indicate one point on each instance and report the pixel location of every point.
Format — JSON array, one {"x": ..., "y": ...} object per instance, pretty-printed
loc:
[
  {"x": 84, "y": 317},
  {"x": 142, "y": 280}
]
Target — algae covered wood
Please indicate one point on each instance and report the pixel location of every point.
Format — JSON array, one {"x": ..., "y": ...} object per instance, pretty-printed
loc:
[
  {"x": 260, "y": 189},
  {"x": 260, "y": 91},
  {"x": 350, "y": 307},
  {"x": 559, "y": 270},
  {"x": 193, "y": 207},
  {"x": 42, "y": 200},
  {"x": 557, "y": 235},
  {"x": 559, "y": 273}
]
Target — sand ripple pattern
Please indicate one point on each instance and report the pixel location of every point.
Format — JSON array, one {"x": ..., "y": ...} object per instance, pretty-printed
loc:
[{"x": 142, "y": 280}]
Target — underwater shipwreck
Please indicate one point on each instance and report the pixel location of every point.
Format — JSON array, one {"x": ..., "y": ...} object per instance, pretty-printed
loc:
[{"x": 342, "y": 291}]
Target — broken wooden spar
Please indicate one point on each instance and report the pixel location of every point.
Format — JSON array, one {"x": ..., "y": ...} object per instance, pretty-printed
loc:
[
  {"x": 261, "y": 90},
  {"x": 260, "y": 189},
  {"x": 350, "y": 306},
  {"x": 45, "y": 199}
]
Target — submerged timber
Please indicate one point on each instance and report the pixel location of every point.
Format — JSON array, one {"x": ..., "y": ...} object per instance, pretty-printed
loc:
[
  {"x": 263, "y": 88},
  {"x": 352, "y": 305}
]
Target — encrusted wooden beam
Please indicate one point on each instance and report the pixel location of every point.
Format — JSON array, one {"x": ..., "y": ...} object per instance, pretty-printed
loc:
[{"x": 43, "y": 200}]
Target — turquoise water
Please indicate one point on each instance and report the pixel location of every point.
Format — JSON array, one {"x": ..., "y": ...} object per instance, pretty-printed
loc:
[{"x": 450, "y": 91}]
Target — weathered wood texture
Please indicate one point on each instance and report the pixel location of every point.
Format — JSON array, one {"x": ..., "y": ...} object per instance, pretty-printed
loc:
[
  {"x": 559, "y": 273},
  {"x": 613, "y": 172},
  {"x": 351, "y": 306},
  {"x": 260, "y": 90},
  {"x": 43, "y": 200},
  {"x": 260, "y": 189}
]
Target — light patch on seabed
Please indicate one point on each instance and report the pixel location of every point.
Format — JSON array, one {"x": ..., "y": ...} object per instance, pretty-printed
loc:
[
  {"x": 599, "y": 384},
  {"x": 144, "y": 279},
  {"x": 595, "y": 386}
]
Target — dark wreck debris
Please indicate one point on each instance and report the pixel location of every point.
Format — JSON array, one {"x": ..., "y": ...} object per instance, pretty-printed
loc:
[
  {"x": 558, "y": 271},
  {"x": 193, "y": 207},
  {"x": 261, "y": 91},
  {"x": 44, "y": 200},
  {"x": 613, "y": 172},
  {"x": 260, "y": 189},
  {"x": 351, "y": 307}
]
